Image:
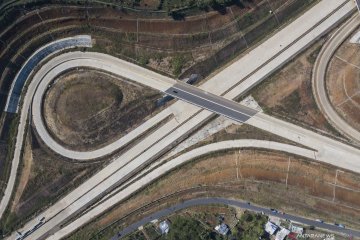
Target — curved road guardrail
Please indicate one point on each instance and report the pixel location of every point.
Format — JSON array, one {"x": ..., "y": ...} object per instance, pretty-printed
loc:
[
  {"x": 14, "y": 97},
  {"x": 41, "y": 54}
]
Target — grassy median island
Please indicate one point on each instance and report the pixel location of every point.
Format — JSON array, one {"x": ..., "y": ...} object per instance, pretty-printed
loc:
[{"x": 88, "y": 109}]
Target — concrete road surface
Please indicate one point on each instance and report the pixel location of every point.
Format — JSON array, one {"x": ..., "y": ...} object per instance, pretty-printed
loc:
[
  {"x": 249, "y": 70},
  {"x": 104, "y": 62},
  {"x": 319, "y": 78}
]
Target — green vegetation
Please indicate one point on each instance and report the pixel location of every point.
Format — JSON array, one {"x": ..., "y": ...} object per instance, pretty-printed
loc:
[
  {"x": 188, "y": 228},
  {"x": 135, "y": 236},
  {"x": 250, "y": 226},
  {"x": 177, "y": 64},
  {"x": 204, "y": 4},
  {"x": 160, "y": 5},
  {"x": 143, "y": 60},
  {"x": 313, "y": 55},
  {"x": 292, "y": 103}
]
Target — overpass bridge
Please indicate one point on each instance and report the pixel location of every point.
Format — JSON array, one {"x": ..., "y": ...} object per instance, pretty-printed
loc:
[{"x": 357, "y": 2}]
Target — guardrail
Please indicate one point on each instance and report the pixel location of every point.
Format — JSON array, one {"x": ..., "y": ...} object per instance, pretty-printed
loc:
[{"x": 36, "y": 58}]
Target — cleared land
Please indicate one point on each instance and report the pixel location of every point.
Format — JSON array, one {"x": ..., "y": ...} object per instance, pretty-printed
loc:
[
  {"x": 287, "y": 93},
  {"x": 343, "y": 83},
  {"x": 307, "y": 188},
  {"x": 88, "y": 109}
]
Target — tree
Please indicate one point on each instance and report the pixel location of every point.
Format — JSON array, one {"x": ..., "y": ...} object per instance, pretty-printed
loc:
[{"x": 203, "y": 4}]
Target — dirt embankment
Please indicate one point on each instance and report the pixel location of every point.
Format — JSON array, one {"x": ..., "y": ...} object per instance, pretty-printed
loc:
[
  {"x": 88, "y": 109},
  {"x": 272, "y": 179},
  {"x": 343, "y": 83}
]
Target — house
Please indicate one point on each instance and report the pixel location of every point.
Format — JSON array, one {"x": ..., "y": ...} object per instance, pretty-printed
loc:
[
  {"x": 223, "y": 229},
  {"x": 281, "y": 235},
  {"x": 292, "y": 236},
  {"x": 271, "y": 228},
  {"x": 296, "y": 229},
  {"x": 164, "y": 227},
  {"x": 275, "y": 220}
]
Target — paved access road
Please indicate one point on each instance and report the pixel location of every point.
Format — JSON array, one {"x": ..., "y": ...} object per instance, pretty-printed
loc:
[
  {"x": 319, "y": 78},
  {"x": 236, "y": 203}
]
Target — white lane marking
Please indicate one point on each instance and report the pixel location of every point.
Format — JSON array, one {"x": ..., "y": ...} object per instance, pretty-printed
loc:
[{"x": 208, "y": 100}]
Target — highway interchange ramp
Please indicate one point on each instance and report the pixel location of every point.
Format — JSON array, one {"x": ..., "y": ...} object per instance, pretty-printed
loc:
[{"x": 124, "y": 174}]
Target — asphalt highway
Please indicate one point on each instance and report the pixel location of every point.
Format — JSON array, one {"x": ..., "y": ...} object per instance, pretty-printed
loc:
[
  {"x": 236, "y": 203},
  {"x": 211, "y": 102},
  {"x": 319, "y": 78}
]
